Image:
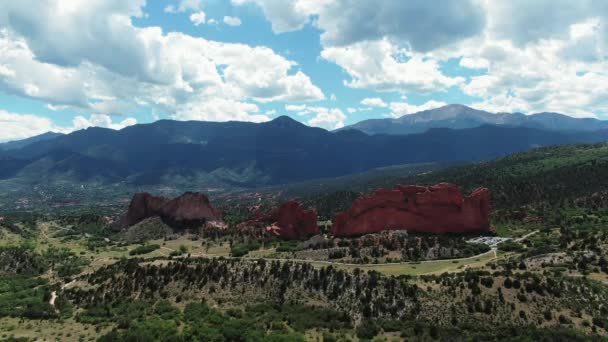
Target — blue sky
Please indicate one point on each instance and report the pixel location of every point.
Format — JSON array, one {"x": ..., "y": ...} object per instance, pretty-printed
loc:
[{"x": 72, "y": 64}]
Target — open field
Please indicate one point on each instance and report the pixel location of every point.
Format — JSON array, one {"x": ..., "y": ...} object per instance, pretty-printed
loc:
[
  {"x": 49, "y": 330},
  {"x": 103, "y": 256}
]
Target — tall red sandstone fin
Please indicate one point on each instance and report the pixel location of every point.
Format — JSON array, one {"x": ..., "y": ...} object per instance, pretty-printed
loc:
[{"x": 435, "y": 209}]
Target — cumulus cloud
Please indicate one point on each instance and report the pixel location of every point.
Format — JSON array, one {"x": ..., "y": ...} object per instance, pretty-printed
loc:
[
  {"x": 328, "y": 118},
  {"x": 403, "y": 108},
  {"x": 373, "y": 101},
  {"x": 184, "y": 6},
  {"x": 88, "y": 56},
  {"x": 537, "y": 78},
  {"x": 14, "y": 126},
  {"x": 232, "y": 21},
  {"x": 99, "y": 120},
  {"x": 345, "y": 22},
  {"x": 295, "y": 108},
  {"x": 220, "y": 110},
  {"x": 286, "y": 16},
  {"x": 369, "y": 40},
  {"x": 383, "y": 66},
  {"x": 198, "y": 18},
  {"x": 534, "y": 55},
  {"x": 19, "y": 126},
  {"x": 523, "y": 21},
  {"x": 421, "y": 24},
  {"x": 474, "y": 63}
]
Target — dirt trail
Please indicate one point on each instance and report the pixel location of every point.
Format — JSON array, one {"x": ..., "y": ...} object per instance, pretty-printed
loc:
[{"x": 54, "y": 293}]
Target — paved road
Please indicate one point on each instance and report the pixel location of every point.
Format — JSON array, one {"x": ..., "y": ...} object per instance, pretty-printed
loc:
[{"x": 337, "y": 263}]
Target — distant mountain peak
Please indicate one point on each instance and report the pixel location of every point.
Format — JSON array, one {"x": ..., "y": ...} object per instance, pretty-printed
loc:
[
  {"x": 283, "y": 118},
  {"x": 284, "y": 121},
  {"x": 458, "y": 116},
  {"x": 455, "y": 106}
]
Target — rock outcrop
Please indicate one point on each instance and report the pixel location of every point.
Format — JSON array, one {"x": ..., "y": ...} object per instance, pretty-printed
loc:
[
  {"x": 190, "y": 210},
  {"x": 434, "y": 209},
  {"x": 142, "y": 206},
  {"x": 289, "y": 221}
]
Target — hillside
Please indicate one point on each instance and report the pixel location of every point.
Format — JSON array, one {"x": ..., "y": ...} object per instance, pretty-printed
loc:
[
  {"x": 459, "y": 117},
  {"x": 557, "y": 176},
  {"x": 242, "y": 154},
  {"x": 17, "y": 144}
]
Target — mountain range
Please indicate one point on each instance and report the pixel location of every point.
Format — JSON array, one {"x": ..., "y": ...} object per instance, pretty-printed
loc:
[
  {"x": 17, "y": 144},
  {"x": 248, "y": 154},
  {"x": 457, "y": 116}
]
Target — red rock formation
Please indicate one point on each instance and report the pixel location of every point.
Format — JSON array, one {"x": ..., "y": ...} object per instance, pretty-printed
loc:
[
  {"x": 190, "y": 207},
  {"x": 142, "y": 206},
  {"x": 289, "y": 221},
  {"x": 435, "y": 209},
  {"x": 186, "y": 211}
]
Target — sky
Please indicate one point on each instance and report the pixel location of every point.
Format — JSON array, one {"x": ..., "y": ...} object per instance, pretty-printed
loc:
[{"x": 70, "y": 64}]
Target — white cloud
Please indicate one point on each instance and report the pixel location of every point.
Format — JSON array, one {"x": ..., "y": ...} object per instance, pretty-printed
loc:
[
  {"x": 523, "y": 21},
  {"x": 383, "y": 66},
  {"x": 286, "y": 16},
  {"x": 374, "y": 102},
  {"x": 20, "y": 126},
  {"x": 232, "y": 21},
  {"x": 295, "y": 108},
  {"x": 544, "y": 55},
  {"x": 420, "y": 24},
  {"x": 346, "y": 22},
  {"x": 403, "y": 108},
  {"x": 538, "y": 77},
  {"x": 99, "y": 120},
  {"x": 87, "y": 56},
  {"x": 184, "y": 6},
  {"x": 328, "y": 118},
  {"x": 198, "y": 18},
  {"x": 51, "y": 55},
  {"x": 15, "y": 126},
  {"x": 474, "y": 63},
  {"x": 351, "y": 110},
  {"x": 220, "y": 110}
]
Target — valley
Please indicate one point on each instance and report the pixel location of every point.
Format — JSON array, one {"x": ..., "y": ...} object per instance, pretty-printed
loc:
[
  {"x": 95, "y": 278},
  {"x": 303, "y": 171}
]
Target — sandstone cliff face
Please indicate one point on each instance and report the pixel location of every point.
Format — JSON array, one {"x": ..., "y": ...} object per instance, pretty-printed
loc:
[
  {"x": 189, "y": 210},
  {"x": 289, "y": 221},
  {"x": 435, "y": 209},
  {"x": 142, "y": 206}
]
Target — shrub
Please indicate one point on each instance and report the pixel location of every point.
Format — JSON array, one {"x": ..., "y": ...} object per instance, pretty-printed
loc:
[
  {"x": 144, "y": 249},
  {"x": 367, "y": 330}
]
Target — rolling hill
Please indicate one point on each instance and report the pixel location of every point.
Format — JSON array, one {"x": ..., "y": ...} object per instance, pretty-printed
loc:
[{"x": 556, "y": 176}]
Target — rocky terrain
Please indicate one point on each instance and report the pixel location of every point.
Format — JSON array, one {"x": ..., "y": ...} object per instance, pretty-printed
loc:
[
  {"x": 418, "y": 209},
  {"x": 435, "y": 209},
  {"x": 289, "y": 221},
  {"x": 190, "y": 210}
]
